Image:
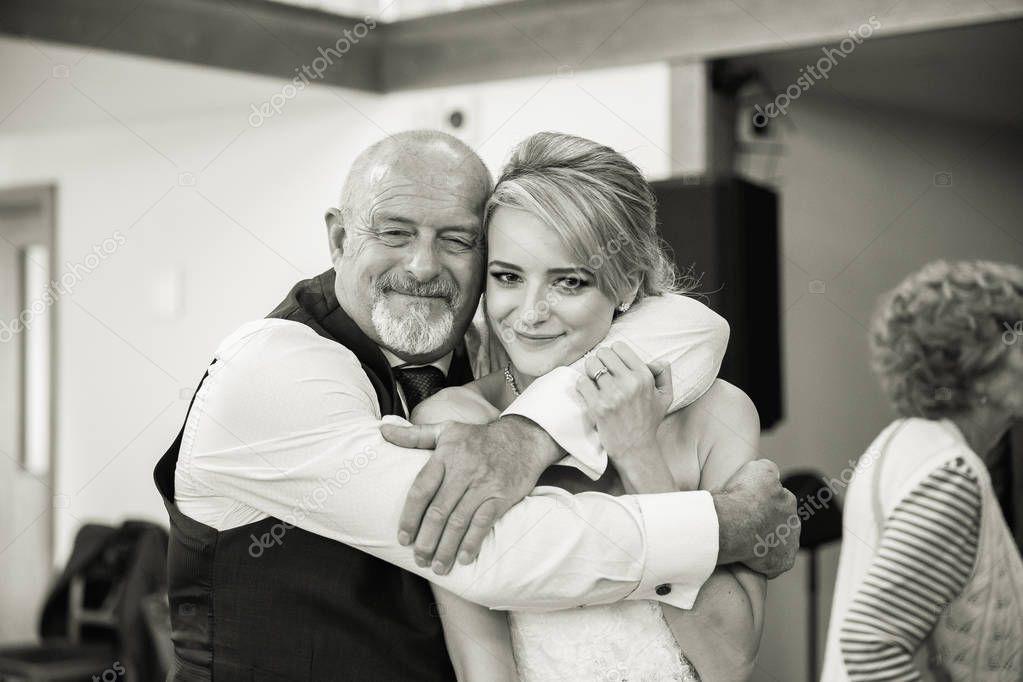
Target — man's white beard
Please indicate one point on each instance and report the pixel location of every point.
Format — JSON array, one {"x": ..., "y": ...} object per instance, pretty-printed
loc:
[{"x": 412, "y": 331}]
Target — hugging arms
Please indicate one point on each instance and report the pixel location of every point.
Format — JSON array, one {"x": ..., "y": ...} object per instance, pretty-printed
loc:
[
  {"x": 652, "y": 448},
  {"x": 314, "y": 413}
]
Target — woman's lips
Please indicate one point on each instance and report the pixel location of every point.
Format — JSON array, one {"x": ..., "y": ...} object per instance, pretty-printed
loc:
[{"x": 536, "y": 339}]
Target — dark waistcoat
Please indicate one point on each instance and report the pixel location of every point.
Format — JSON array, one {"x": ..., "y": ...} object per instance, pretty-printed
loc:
[{"x": 307, "y": 608}]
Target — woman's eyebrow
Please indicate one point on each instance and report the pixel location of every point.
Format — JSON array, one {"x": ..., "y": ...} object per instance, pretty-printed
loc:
[
  {"x": 551, "y": 271},
  {"x": 502, "y": 264},
  {"x": 570, "y": 271}
]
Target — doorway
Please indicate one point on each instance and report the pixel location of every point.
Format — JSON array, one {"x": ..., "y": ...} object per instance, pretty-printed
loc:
[{"x": 28, "y": 304}]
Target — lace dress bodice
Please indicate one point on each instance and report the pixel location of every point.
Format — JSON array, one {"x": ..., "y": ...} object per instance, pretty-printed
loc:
[{"x": 627, "y": 641}]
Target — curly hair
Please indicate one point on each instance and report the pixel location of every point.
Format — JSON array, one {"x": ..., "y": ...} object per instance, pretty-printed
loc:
[
  {"x": 599, "y": 204},
  {"x": 940, "y": 330}
]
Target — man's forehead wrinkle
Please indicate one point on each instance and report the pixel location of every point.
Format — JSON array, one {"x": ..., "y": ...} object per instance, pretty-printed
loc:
[
  {"x": 426, "y": 188},
  {"x": 407, "y": 201}
]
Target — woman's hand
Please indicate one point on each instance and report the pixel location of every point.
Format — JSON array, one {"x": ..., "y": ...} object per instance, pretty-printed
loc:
[
  {"x": 627, "y": 403},
  {"x": 628, "y": 400}
]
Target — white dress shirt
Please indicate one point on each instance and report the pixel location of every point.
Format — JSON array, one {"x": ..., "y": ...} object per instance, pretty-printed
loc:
[{"x": 287, "y": 425}]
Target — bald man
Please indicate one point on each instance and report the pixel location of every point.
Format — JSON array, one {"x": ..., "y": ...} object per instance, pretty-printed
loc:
[{"x": 291, "y": 515}]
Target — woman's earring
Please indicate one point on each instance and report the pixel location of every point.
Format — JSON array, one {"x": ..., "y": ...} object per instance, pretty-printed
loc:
[{"x": 623, "y": 307}]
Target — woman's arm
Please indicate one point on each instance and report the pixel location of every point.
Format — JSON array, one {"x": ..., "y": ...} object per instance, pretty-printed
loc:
[
  {"x": 720, "y": 635},
  {"x": 926, "y": 555},
  {"x": 478, "y": 639}
]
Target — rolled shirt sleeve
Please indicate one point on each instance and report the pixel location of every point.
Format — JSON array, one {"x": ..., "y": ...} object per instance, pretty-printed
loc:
[
  {"x": 677, "y": 329},
  {"x": 664, "y": 577},
  {"x": 287, "y": 425}
]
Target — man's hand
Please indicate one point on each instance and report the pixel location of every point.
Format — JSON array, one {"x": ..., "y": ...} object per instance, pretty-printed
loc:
[
  {"x": 476, "y": 473},
  {"x": 757, "y": 520}
]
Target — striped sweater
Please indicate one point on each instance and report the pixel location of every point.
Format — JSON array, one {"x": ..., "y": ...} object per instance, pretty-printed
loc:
[
  {"x": 930, "y": 581},
  {"x": 926, "y": 554}
]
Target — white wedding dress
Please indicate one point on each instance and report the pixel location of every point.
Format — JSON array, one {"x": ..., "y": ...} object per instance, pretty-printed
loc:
[{"x": 626, "y": 641}]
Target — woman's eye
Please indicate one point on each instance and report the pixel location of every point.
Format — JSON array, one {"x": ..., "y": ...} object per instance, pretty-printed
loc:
[
  {"x": 505, "y": 277},
  {"x": 571, "y": 283}
]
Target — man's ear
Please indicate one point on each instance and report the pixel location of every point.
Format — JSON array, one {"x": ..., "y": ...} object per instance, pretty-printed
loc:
[{"x": 335, "y": 234}]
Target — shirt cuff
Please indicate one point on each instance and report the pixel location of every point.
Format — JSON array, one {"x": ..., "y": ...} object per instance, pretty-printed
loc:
[
  {"x": 682, "y": 546},
  {"x": 553, "y": 403}
]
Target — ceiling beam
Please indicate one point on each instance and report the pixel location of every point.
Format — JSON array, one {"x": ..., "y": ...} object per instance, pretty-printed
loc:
[
  {"x": 534, "y": 37},
  {"x": 244, "y": 35},
  {"x": 506, "y": 40}
]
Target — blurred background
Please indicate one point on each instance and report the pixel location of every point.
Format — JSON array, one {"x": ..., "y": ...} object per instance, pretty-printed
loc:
[{"x": 165, "y": 166}]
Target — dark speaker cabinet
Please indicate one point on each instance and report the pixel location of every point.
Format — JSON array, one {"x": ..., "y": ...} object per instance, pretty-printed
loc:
[{"x": 726, "y": 232}]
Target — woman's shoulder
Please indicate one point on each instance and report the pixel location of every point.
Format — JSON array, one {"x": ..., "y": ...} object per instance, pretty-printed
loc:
[
  {"x": 724, "y": 406},
  {"x": 465, "y": 404},
  {"x": 912, "y": 449},
  {"x": 722, "y": 420}
]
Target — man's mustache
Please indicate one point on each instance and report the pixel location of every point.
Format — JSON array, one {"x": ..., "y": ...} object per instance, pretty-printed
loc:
[{"x": 437, "y": 288}]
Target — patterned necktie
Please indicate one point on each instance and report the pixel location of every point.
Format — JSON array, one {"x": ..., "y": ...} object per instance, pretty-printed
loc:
[{"x": 419, "y": 383}]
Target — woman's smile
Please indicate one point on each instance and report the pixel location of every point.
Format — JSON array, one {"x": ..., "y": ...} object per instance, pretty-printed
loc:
[{"x": 536, "y": 340}]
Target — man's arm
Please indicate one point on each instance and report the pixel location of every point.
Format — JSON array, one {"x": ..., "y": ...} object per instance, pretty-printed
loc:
[
  {"x": 675, "y": 329},
  {"x": 288, "y": 425}
]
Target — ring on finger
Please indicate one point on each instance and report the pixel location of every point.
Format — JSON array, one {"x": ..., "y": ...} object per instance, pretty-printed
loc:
[{"x": 600, "y": 372}]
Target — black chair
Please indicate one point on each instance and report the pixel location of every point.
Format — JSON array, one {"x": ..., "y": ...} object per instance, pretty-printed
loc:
[
  {"x": 816, "y": 501},
  {"x": 93, "y": 623}
]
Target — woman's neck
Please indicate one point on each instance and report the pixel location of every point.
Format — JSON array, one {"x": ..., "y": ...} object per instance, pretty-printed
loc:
[
  {"x": 522, "y": 382},
  {"x": 982, "y": 428}
]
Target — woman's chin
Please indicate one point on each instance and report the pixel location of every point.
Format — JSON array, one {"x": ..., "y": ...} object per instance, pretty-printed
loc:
[{"x": 531, "y": 365}]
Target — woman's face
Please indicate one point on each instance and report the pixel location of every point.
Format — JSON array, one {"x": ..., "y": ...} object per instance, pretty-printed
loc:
[
  {"x": 1005, "y": 388},
  {"x": 546, "y": 309}
]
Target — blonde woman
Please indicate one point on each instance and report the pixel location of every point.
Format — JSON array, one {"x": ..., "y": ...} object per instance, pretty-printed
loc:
[
  {"x": 930, "y": 584},
  {"x": 572, "y": 245}
]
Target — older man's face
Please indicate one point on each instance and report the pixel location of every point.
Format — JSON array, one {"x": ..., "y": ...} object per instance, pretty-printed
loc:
[{"x": 409, "y": 270}]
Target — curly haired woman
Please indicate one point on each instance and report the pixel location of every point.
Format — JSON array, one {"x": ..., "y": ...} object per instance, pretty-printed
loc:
[{"x": 930, "y": 583}]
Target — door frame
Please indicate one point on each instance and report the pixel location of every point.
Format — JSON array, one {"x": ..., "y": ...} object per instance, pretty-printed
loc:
[{"x": 42, "y": 198}]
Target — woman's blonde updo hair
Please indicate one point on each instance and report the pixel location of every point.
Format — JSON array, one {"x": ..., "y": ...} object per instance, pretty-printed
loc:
[
  {"x": 941, "y": 330},
  {"x": 598, "y": 203}
]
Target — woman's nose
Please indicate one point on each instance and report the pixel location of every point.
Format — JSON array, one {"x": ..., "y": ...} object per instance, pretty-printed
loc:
[{"x": 535, "y": 308}]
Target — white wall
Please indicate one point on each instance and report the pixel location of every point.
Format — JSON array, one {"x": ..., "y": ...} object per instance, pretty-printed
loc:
[
  {"x": 222, "y": 217},
  {"x": 626, "y": 108},
  {"x": 235, "y": 241},
  {"x": 860, "y": 210}
]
